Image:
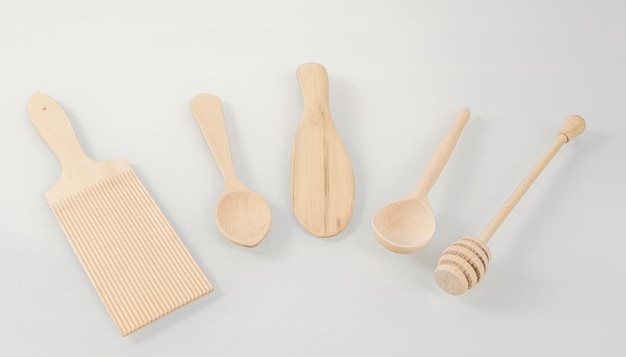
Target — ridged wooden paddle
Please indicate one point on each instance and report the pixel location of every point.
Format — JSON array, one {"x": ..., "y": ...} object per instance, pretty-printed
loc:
[
  {"x": 322, "y": 180},
  {"x": 133, "y": 257},
  {"x": 242, "y": 215},
  {"x": 464, "y": 263}
]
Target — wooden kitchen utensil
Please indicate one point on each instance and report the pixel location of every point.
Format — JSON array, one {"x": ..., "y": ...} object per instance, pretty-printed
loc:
[
  {"x": 322, "y": 180},
  {"x": 133, "y": 257},
  {"x": 408, "y": 224},
  {"x": 464, "y": 263},
  {"x": 242, "y": 215}
]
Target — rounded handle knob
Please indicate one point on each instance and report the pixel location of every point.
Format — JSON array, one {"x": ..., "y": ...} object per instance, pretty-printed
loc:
[{"x": 573, "y": 126}]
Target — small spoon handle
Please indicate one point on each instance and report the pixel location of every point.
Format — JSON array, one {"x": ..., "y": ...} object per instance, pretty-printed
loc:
[
  {"x": 572, "y": 127},
  {"x": 442, "y": 154},
  {"x": 207, "y": 109}
]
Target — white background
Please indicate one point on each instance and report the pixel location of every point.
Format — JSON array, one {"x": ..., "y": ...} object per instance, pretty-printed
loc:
[{"x": 399, "y": 71}]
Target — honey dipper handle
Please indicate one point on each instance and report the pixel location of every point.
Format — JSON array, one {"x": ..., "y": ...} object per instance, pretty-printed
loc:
[
  {"x": 56, "y": 130},
  {"x": 442, "y": 154},
  {"x": 207, "y": 109},
  {"x": 573, "y": 126}
]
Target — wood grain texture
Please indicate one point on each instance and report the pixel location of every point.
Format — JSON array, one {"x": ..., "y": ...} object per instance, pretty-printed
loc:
[
  {"x": 464, "y": 263},
  {"x": 136, "y": 262},
  {"x": 322, "y": 180},
  {"x": 241, "y": 214},
  {"x": 573, "y": 126}
]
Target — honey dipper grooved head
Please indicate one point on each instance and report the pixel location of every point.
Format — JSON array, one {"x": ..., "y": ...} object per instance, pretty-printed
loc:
[{"x": 462, "y": 265}]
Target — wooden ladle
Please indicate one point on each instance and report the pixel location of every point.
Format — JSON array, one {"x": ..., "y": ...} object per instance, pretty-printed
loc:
[
  {"x": 408, "y": 224},
  {"x": 464, "y": 263},
  {"x": 242, "y": 215}
]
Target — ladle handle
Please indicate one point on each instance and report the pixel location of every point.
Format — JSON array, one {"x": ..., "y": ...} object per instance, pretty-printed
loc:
[
  {"x": 443, "y": 153},
  {"x": 573, "y": 126},
  {"x": 207, "y": 109}
]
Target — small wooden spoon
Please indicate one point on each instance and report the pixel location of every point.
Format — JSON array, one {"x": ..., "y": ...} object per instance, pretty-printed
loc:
[
  {"x": 407, "y": 225},
  {"x": 322, "y": 180},
  {"x": 242, "y": 215},
  {"x": 464, "y": 263}
]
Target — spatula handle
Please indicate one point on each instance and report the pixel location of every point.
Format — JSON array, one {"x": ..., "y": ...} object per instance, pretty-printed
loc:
[
  {"x": 443, "y": 153},
  {"x": 313, "y": 81},
  {"x": 56, "y": 130},
  {"x": 207, "y": 109}
]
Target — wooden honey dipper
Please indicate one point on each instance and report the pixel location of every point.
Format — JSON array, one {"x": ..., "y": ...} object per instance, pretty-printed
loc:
[{"x": 464, "y": 263}]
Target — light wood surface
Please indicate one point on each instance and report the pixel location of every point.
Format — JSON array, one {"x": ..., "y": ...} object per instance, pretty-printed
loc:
[
  {"x": 408, "y": 224},
  {"x": 461, "y": 266},
  {"x": 133, "y": 257},
  {"x": 322, "y": 180},
  {"x": 242, "y": 215}
]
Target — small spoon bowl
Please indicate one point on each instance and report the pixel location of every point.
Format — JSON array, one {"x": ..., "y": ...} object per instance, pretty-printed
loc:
[
  {"x": 405, "y": 226},
  {"x": 243, "y": 217},
  {"x": 241, "y": 214}
]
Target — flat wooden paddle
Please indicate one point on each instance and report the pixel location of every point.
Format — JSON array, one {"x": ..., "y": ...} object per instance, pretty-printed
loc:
[{"x": 322, "y": 180}]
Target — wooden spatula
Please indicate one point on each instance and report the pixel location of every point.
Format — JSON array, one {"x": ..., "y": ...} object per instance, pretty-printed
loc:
[
  {"x": 133, "y": 257},
  {"x": 322, "y": 181}
]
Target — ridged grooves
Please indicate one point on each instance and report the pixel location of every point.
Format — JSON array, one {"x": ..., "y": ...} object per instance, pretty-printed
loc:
[
  {"x": 461, "y": 265},
  {"x": 467, "y": 256},
  {"x": 133, "y": 257}
]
